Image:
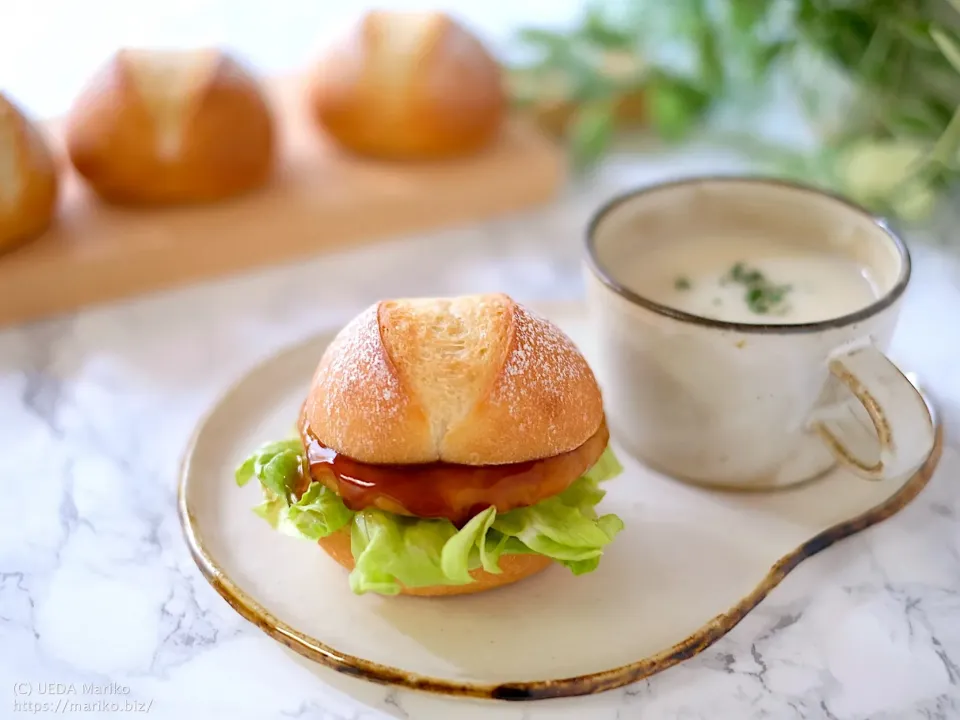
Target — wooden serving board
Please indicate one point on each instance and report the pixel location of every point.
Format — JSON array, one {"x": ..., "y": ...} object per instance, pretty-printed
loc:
[{"x": 320, "y": 200}]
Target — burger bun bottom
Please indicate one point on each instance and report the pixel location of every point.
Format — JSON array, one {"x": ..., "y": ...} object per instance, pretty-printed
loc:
[{"x": 513, "y": 569}]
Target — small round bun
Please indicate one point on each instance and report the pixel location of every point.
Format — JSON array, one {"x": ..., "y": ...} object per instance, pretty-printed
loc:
[
  {"x": 408, "y": 86},
  {"x": 513, "y": 569},
  {"x": 472, "y": 380},
  {"x": 166, "y": 127},
  {"x": 28, "y": 178}
]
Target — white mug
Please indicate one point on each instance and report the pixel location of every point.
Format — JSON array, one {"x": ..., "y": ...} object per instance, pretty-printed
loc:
[{"x": 752, "y": 405}]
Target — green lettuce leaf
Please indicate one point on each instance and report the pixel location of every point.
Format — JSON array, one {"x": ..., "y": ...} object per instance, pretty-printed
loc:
[
  {"x": 605, "y": 468},
  {"x": 272, "y": 510},
  {"x": 469, "y": 546},
  {"x": 280, "y": 467},
  {"x": 318, "y": 512},
  {"x": 393, "y": 551},
  {"x": 277, "y": 465},
  {"x": 389, "y": 550}
]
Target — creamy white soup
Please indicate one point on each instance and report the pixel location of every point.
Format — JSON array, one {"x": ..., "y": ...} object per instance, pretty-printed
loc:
[{"x": 750, "y": 280}]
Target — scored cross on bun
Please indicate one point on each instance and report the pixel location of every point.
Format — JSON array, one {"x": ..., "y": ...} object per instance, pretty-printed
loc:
[
  {"x": 158, "y": 127},
  {"x": 448, "y": 446},
  {"x": 471, "y": 380},
  {"x": 408, "y": 86}
]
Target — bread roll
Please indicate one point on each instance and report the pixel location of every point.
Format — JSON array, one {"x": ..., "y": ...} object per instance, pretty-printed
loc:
[
  {"x": 513, "y": 568},
  {"x": 28, "y": 178},
  {"x": 474, "y": 380},
  {"x": 171, "y": 127},
  {"x": 409, "y": 86}
]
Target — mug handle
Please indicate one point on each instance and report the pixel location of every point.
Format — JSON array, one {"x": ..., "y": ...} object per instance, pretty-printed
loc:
[{"x": 899, "y": 415}]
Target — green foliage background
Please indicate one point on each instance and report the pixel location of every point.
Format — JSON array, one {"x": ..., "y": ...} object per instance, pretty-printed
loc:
[{"x": 878, "y": 81}]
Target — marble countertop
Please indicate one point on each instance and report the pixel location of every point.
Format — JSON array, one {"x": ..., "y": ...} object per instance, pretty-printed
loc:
[{"x": 97, "y": 587}]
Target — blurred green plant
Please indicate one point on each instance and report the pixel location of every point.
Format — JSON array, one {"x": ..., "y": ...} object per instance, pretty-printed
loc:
[{"x": 877, "y": 80}]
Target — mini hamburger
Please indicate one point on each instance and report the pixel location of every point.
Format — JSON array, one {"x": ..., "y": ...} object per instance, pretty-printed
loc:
[{"x": 445, "y": 446}]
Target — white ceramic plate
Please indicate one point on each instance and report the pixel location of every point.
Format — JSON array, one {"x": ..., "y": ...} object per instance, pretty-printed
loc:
[{"x": 688, "y": 567}]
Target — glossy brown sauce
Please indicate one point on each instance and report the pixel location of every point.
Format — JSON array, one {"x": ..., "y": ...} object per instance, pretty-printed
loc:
[{"x": 448, "y": 490}]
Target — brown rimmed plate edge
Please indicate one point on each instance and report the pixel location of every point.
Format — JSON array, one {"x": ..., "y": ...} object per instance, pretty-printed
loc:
[{"x": 589, "y": 684}]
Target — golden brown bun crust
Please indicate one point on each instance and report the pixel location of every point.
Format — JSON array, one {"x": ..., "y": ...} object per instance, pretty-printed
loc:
[
  {"x": 29, "y": 185},
  {"x": 513, "y": 569},
  {"x": 473, "y": 380},
  {"x": 171, "y": 127},
  {"x": 409, "y": 86}
]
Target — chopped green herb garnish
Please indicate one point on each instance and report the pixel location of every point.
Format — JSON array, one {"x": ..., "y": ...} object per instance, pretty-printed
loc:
[
  {"x": 682, "y": 283},
  {"x": 762, "y": 296},
  {"x": 739, "y": 273}
]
